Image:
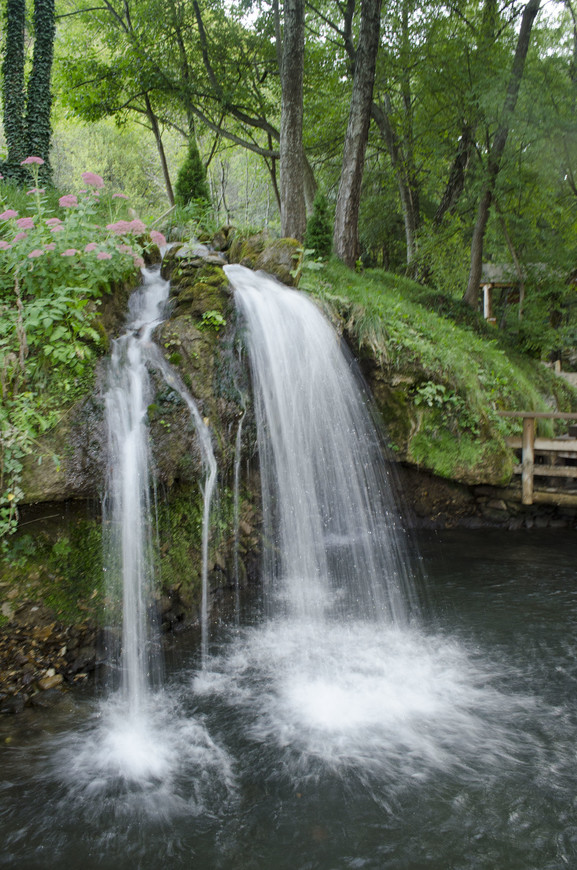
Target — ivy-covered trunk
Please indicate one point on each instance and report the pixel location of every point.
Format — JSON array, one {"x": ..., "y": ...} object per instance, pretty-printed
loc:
[
  {"x": 39, "y": 100},
  {"x": 27, "y": 110},
  {"x": 13, "y": 84}
]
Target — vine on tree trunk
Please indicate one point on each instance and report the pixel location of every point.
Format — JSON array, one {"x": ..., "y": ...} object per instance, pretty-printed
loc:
[{"x": 27, "y": 108}]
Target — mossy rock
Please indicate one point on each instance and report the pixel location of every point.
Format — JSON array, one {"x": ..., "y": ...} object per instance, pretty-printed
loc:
[
  {"x": 69, "y": 460},
  {"x": 246, "y": 250},
  {"x": 223, "y": 238},
  {"x": 281, "y": 258},
  {"x": 199, "y": 298},
  {"x": 113, "y": 305}
]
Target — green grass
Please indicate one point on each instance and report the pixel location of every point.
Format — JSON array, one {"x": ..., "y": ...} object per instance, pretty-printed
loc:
[{"x": 444, "y": 369}]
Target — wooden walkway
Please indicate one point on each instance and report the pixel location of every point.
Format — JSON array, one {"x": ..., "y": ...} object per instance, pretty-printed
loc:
[{"x": 553, "y": 458}]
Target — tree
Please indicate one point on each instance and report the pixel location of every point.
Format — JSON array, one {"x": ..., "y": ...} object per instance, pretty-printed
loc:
[
  {"x": 346, "y": 236},
  {"x": 27, "y": 111},
  {"x": 319, "y": 236},
  {"x": 293, "y": 214},
  {"x": 191, "y": 184},
  {"x": 471, "y": 295}
]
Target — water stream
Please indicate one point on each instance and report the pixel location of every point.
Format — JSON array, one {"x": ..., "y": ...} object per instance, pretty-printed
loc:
[
  {"x": 339, "y": 725},
  {"x": 139, "y": 731}
]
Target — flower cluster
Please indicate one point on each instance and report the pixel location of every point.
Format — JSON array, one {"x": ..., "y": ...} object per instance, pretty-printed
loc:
[
  {"x": 123, "y": 228},
  {"x": 97, "y": 256}
]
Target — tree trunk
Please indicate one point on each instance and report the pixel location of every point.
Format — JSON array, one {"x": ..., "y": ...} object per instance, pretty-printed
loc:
[
  {"x": 13, "y": 83},
  {"x": 293, "y": 215},
  {"x": 160, "y": 147},
  {"x": 407, "y": 195},
  {"x": 456, "y": 180},
  {"x": 346, "y": 239},
  {"x": 39, "y": 99},
  {"x": 496, "y": 153},
  {"x": 310, "y": 185}
]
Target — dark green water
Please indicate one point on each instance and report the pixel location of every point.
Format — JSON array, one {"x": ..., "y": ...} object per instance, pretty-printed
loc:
[{"x": 451, "y": 744}]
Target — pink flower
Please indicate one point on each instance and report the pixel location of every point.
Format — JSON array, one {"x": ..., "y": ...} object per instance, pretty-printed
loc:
[
  {"x": 92, "y": 179},
  {"x": 25, "y": 224},
  {"x": 29, "y": 160},
  {"x": 57, "y": 228},
  {"x": 119, "y": 196},
  {"x": 35, "y": 253},
  {"x": 103, "y": 255},
  {"x": 53, "y": 222},
  {"x": 19, "y": 236},
  {"x": 4, "y": 246},
  {"x": 68, "y": 201},
  {"x": 34, "y": 190},
  {"x": 50, "y": 247},
  {"x": 69, "y": 252},
  {"x": 91, "y": 246},
  {"x": 125, "y": 249},
  {"x": 139, "y": 262},
  {"x": 1, "y": 177},
  {"x": 6, "y": 215},
  {"x": 119, "y": 227},
  {"x": 157, "y": 238}
]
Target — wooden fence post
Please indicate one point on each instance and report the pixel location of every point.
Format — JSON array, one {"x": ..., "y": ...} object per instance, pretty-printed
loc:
[{"x": 528, "y": 459}]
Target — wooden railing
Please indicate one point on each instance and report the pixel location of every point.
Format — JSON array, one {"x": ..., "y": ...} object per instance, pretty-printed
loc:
[{"x": 564, "y": 447}]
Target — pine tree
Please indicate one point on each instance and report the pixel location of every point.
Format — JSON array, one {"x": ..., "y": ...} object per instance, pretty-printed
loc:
[
  {"x": 191, "y": 184},
  {"x": 319, "y": 234}
]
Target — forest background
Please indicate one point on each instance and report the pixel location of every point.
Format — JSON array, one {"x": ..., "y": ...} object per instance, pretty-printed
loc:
[{"x": 470, "y": 127}]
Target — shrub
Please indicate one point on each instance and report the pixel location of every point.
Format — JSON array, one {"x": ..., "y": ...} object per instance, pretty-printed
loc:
[
  {"x": 191, "y": 184},
  {"x": 319, "y": 233}
]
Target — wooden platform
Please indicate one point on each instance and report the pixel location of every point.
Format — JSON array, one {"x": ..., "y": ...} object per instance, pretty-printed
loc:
[{"x": 553, "y": 458}]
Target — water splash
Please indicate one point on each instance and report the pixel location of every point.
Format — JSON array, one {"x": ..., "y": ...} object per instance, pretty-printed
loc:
[{"x": 342, "y": 674}]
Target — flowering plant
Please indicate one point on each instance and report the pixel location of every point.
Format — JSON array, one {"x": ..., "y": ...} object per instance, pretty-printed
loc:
[{"x": 54, "y": 269}]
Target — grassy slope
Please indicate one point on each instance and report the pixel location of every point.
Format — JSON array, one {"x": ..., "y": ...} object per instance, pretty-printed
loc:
[{"x": 441, "y": 373}]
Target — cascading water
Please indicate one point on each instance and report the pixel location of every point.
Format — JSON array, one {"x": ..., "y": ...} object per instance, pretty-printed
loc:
[
  {"x": 236, "y": 513},
  {"x": 142, "y": 737},
  {"x": 341, "y": 670},
  {"x": 327, "y": 502},
  {"x": 127, "y": 514}
]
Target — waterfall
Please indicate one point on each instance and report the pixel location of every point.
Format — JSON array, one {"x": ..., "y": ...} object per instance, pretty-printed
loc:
[
  {"x": 334, "y": 544},
  {"x": 236, "y": 514},
  {"x": 127, "y": 506},
  {"x": 127, "y": 513}
]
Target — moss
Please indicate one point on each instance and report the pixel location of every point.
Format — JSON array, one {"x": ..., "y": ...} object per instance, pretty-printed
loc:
[
  {"x": 73, "y": 583},
  {"x": 281, "y": 258},
  {"x": 464, "y": 457},
  {"x": 439, "y": 374},
  {"x": 179, "y": 558},
  {"x": 65, "y": 571}
]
